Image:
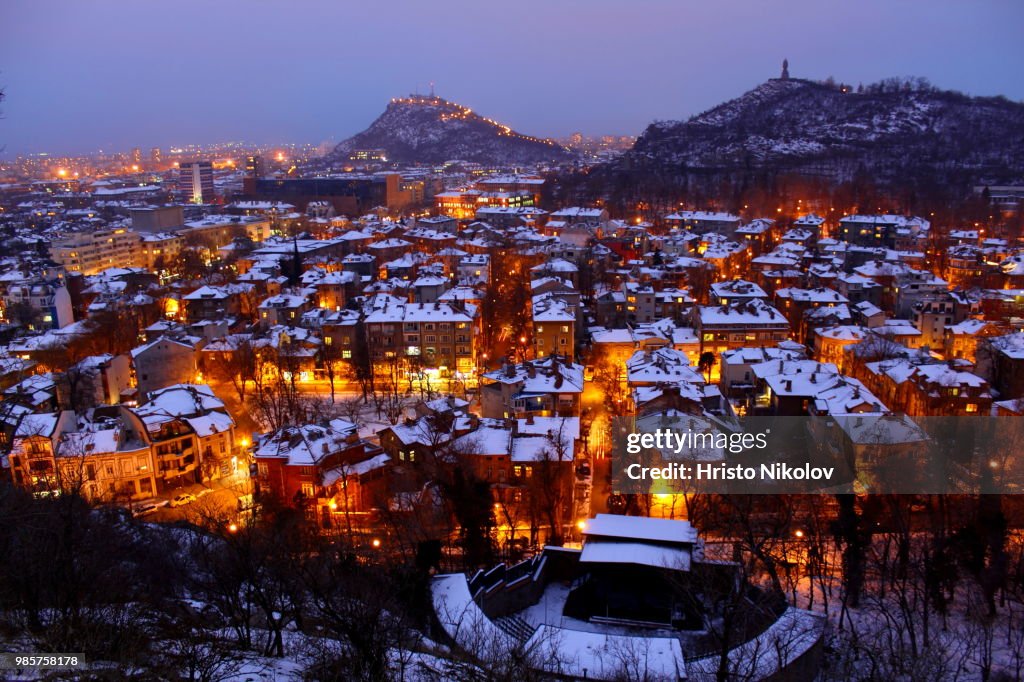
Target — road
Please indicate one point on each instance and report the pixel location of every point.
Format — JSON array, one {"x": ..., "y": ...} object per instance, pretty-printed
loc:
[{"x": 217, "y": 500}]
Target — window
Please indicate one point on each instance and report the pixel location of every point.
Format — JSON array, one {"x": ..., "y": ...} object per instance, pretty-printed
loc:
[
  {"x": 307, "y": 489},
  {"x": 971, "y": 407},
  {"x": 346, "y": 355},
  {"x": 565, "y": 329},
  {"x": 262, "y": 469}
]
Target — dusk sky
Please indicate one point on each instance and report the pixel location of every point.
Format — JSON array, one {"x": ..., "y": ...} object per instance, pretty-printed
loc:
[{"x": 115, "y": 74}]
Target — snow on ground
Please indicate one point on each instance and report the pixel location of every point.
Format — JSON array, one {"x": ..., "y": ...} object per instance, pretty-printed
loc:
[
  {"x": 786, "y": 640},
  {"x": 606, "y": 656}
]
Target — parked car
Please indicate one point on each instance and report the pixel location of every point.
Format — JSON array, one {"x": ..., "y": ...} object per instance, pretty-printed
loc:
[
  {"x": 146, "y": 508},
  {"x": 183, "y": 499}
]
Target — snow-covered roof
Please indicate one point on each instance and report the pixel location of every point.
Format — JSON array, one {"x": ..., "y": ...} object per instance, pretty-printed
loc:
[
  {"x": 738, "y": 287},
  {"x": 747, "y": 312},
  {"x": 664, "y": 365}
]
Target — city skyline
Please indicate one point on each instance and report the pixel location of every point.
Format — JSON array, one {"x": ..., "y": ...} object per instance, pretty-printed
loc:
[{"x": 77, "y": 80}]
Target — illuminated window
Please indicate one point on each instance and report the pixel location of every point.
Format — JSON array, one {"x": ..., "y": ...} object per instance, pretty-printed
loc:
[{"x": 972, "y": 407}]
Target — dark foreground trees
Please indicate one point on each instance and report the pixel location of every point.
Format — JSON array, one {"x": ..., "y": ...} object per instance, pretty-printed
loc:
[{"x": 203, "y": 601}]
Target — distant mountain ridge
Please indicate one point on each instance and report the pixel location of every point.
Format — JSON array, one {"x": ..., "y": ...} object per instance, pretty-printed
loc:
[
  {"x": 428, "y": 129},
  {"x": 888, "y": 131}
]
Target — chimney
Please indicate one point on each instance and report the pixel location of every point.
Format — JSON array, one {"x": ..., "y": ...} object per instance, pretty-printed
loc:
[
  {"x": 531, "y": 370},
  {"x": 510, "y": 370},
  {"x": 529, "y": 418}
]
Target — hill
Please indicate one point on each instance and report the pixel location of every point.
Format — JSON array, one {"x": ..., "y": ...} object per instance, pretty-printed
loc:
[
  {"x": 421, "y": 129},
  {"x": 895, "y": 132}
]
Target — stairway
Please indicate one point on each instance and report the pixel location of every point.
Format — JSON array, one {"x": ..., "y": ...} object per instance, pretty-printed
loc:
[{"x": 515, "y": 626}]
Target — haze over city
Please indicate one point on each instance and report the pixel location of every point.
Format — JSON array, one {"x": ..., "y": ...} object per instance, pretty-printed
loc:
[{"x": 86, "y": 76}]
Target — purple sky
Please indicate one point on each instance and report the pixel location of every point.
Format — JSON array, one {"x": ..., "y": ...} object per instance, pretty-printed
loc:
[{"x": 115, "y": 74}]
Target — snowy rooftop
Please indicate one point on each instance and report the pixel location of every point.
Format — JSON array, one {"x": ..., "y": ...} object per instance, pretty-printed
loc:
[
  {"x": 754, "y": 311},
  {"x": 738, "y": 287},
  {"x": 614, "y": 526}
]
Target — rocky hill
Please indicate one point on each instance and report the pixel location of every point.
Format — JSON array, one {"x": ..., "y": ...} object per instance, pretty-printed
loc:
[
  {"x": 890, "y": 131},
  {"x": 421, "y": 129}
]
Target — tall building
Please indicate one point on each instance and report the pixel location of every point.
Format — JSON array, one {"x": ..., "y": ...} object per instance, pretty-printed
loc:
[
  {"x": 155, "y": 156},
  {"x": 195, "y": 182},
  {"x": 254, "y": 166},
  {"x": 136, "y": 155}
]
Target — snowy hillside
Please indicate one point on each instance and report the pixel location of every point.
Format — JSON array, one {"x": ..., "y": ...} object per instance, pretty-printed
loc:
[{"x": 835, "y": 131}]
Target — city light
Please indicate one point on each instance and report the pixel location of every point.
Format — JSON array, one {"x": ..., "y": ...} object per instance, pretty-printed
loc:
[{"x": 281, "y": 354}]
